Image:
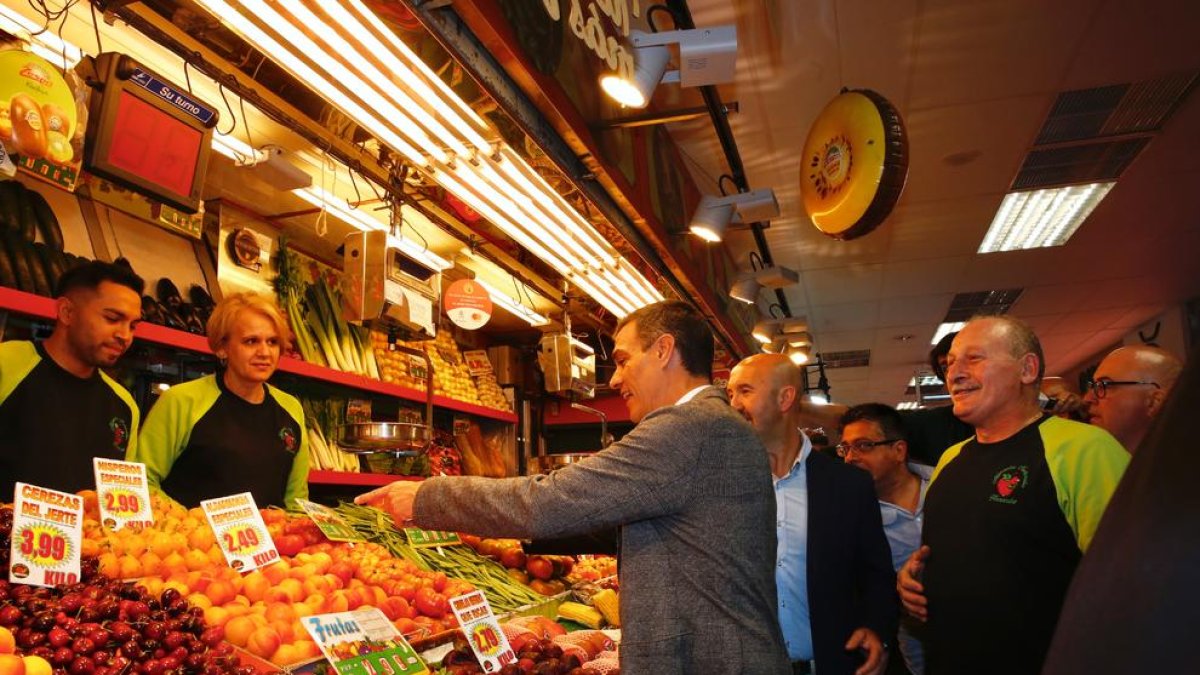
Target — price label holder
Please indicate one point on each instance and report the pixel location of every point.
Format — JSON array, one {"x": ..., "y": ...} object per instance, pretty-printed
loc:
[
  {"x": 329, "y": 522},
  {"x": 123, "y": 493},
  {"x": 483, "y": 631},
  {"x": 418, "y": 538},
  {"x": 363, "y": 642},
  {"x": 46, "y": 534},
  {"x": 477, "y": 362},
  {"x": 241, "y": 532}
]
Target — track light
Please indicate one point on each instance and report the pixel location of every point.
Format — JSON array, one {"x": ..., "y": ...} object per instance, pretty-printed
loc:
[
  {"x": 748, "y": 284},
  {"x": 766, "y": 331},
  {"x": 706, "y": 56},
  {"x": 799, "y": 355},
  {"x": 746, "y": 288},
  {"x": 792, "y": 332},
  {"x": 714, "y": 214}
]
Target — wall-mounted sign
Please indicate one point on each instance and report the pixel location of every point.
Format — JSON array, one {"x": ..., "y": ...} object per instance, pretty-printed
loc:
[
  {"x": 37, "y": 117},
  {"x": 467, "y": 304}
]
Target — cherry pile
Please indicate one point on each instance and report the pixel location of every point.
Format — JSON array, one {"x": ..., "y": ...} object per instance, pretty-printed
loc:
[{"x": 106, "y": 627}]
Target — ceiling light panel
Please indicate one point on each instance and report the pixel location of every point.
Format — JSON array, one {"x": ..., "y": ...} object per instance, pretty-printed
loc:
[
  {"x": 945, "y": 329},
  {"x": 346, "y": 54},
  {"x": 1041, "y": 218}
]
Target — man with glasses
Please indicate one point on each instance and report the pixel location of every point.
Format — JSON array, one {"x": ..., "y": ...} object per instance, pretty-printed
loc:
[
  {"x": 1008, "y": 513},
  {"x": 1128, "y": 389},
  {"x": 833, "y": 574},
  {"x": 874, "y": 439}
]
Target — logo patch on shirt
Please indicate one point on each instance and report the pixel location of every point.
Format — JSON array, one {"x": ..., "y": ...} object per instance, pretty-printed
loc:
[
  {"x": 120, "y": 432},
  {"x": 289, "y": 439},
  {"x": 1009, "y": 483}
]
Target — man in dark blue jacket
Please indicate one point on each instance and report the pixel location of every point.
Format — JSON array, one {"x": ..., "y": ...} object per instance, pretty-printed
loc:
[{"x": 833, "y": 568}]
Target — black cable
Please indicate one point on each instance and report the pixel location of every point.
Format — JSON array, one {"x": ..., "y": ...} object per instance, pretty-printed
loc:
[
  {"x": 721, "y": 183},
  {"x": 246, "y": 121},
  {"x": 221, "y": 88},
  {"x": 95, "y": 27},
  {"x": 771, "y": 310},
  {"x": 187, "y": 75},
  {"x": 650, "y": 15},
  {"x": 759, "y": 265}
]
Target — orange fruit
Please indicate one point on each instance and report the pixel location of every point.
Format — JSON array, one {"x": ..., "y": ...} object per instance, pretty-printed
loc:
[
  {"x": 130, "y": 567},
  {"x": 36, "y": 665},
  {"x": 134, "y": 544},
  {"x": 293, "y": 589},
  {"x": 160, "y": 543},
  {"x": 284, "y": 630},
  {"x": 278, "y": 611},
  {"x": 316, "y": 584},
  {"x": 220, "y": 591},
  {"x": 151, "y": 563},
  {"x": 238, "y": 630},
  {"x": 215, "y": 555},
  {"x": 200, "y": 600},
  {"x": 8, "y": 644},
  {"x": 277, "y": 572},
  {"x": 11, "y": 664},
  {"x": 216, "y": 616},
  {"x": 337, "y": 602},
  {"x": 201, "y": 538},
  {"x": 285, "y": 655},
  {"x": 307, "y": 648},
  {"x": 255, "y": 586},
  {"x": 173, "y": 562},
  {"x": 197, "y": 560}
]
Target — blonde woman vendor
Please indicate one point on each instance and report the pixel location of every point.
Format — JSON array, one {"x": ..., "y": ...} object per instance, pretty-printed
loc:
[{"x": 231, "y": 432}]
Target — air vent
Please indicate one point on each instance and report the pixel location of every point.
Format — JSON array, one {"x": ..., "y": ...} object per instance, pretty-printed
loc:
[
  {"x": 1089, "y": 163},
  {"x": 1115, "y": 110},
  {"x": 966, "y": 305},
  {"x": 849, "y": 359}
]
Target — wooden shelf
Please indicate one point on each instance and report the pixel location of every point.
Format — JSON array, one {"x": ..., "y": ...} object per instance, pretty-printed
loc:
[
  {"x": 42, "y": 307},
  {"x": 357, "y": 479}
]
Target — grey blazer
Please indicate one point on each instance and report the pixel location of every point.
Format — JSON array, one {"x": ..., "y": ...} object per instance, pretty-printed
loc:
[{"x": 691, "y": 487}]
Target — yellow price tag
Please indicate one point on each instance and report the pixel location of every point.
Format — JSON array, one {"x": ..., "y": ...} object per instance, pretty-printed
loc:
[
  {"x": 242, "y": 538},
  {"x": 44, "y": 545},
  {"x": 122, "y": 503}
]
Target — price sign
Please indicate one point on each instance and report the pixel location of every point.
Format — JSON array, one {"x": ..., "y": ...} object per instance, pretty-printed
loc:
[
  {"x": 123, "y": 493},
  {"x": 329, "y": 522},
  {"x": 483, "y": 632},
  {"x": 418, "y": 538},
  {"x": 241, "y": 532},
  {"x": 46, "y": 534},
  {"x": 363, "y": 642},
  {"x": 478, "y": 362}
]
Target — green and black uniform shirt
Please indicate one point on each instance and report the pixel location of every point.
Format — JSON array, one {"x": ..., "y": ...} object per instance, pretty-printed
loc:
[
  {"x": 1007, "y": 523},
  {"x": 52, "y": 423},
  {"x": 201, "y": 441}
]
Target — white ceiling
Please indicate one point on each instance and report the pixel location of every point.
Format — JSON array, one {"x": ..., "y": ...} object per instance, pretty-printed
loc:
[{"x": 969, "y": 78}]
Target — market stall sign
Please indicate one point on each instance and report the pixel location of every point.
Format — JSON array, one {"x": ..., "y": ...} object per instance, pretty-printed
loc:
[
  {"x": 123, "y": 494},
  {"x": 483, "y": 632},
  {"x": 363, "y": 642},
  {"x": 418, "y": 538},
  {"x": 329, "y": 522},
  {"x": 467, "y": 304},
  {"x": 478, "y": 362},
  {"x": 588, "y": 26},
  {"x": 46, "y": 534},
  {"x": 241, "y": 532},
  {"x": 38, "y": 119}
]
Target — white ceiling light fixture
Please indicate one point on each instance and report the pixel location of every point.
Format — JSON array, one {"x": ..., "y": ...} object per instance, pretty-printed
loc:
[
  {"x": 713, "y": 214},
  {"x": 1042, "y": 218},
  {"x": 907, "y": 405},
  {"x": 706, "y": 56},
  {"x": 800, "y": 355},
  {"x": 818, "y": 399},
  {"x": 346, "y": 54},
  {"x": 945, "y": 329},
  {"x": 512, "y": 305},
  {"x": 791, "y": 331},
  {"x": 42, "y": 42}
]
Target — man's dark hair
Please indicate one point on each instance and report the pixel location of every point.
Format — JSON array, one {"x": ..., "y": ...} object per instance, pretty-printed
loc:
[
  {"x": 940, "y": 350},
  {"x": 693, "y": 337},
  {"x": 91, "y": 274},
  {"x": 887, "y": 417},
  {"x": 1024, "y": 340}
]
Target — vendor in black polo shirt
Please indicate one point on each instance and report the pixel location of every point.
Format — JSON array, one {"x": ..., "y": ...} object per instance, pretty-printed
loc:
[
  {"x": 58, "y": 410},
  {"x": 231, "y": 432}
]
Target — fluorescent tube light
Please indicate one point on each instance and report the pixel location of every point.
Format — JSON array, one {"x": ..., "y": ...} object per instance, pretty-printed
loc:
[
  {"x": 907, "y": 405},
  {"x": 42, "y": 42},
  {"x": 1042, "y": 218},
  {"x": 513, "y": 305},
  {"x": 945, "y": 328}
]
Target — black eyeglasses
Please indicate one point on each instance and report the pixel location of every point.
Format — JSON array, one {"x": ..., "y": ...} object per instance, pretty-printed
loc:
[
  {"x": 863, "y": 447},
  {"x": 1101, "y": 386}
]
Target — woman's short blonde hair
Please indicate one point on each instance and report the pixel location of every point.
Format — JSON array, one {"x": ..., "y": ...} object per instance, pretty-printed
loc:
[{"x": 226, "y": 313}]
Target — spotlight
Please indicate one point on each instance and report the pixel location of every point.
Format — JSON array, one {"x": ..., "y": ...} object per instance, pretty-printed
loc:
[
  {"x": 766, "y": 331},
  {"x": 799, "y": 355},
  {"x": 706, "y": 56},
  {"x": 714, "y": 214},
  {"x": 746, "y": 288},
  {"x": 801, "y": 339}
]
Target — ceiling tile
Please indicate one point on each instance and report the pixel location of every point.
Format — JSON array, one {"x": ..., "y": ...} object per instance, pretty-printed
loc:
[
  {"x": 1042, "y": 324},
  {"x": 926, "y": 309},
  {"x": 1056, "y": 299},
  {"x": 939, "y": 228},
  {"x": 913, "y": 277},
  {"x": 841, "y": 341},
  {"x": 854, "y": 283},
  {"x": 827, "y": 319},
  {"x": 1159, "y": 34},
  {"x": 1090, "y": 321}
]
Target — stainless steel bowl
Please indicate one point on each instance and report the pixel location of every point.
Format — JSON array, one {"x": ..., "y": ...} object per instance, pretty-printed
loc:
[
  {"x": 394, "y": 437},
  {"x": 548, "y": 463}
]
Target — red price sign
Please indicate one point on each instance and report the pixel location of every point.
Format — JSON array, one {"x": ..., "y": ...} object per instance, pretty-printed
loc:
[
  {"x": 123, "y": 503},
  {"x": 43, "y": 545},
  {"x": 241, "y": 538}
]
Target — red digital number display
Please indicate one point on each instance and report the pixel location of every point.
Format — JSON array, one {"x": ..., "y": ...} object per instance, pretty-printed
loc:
[{"x": 154, "y": 146}]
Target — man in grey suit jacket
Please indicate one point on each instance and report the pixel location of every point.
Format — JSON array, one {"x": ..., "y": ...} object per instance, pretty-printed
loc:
[{"x": 691, "y": 488}]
